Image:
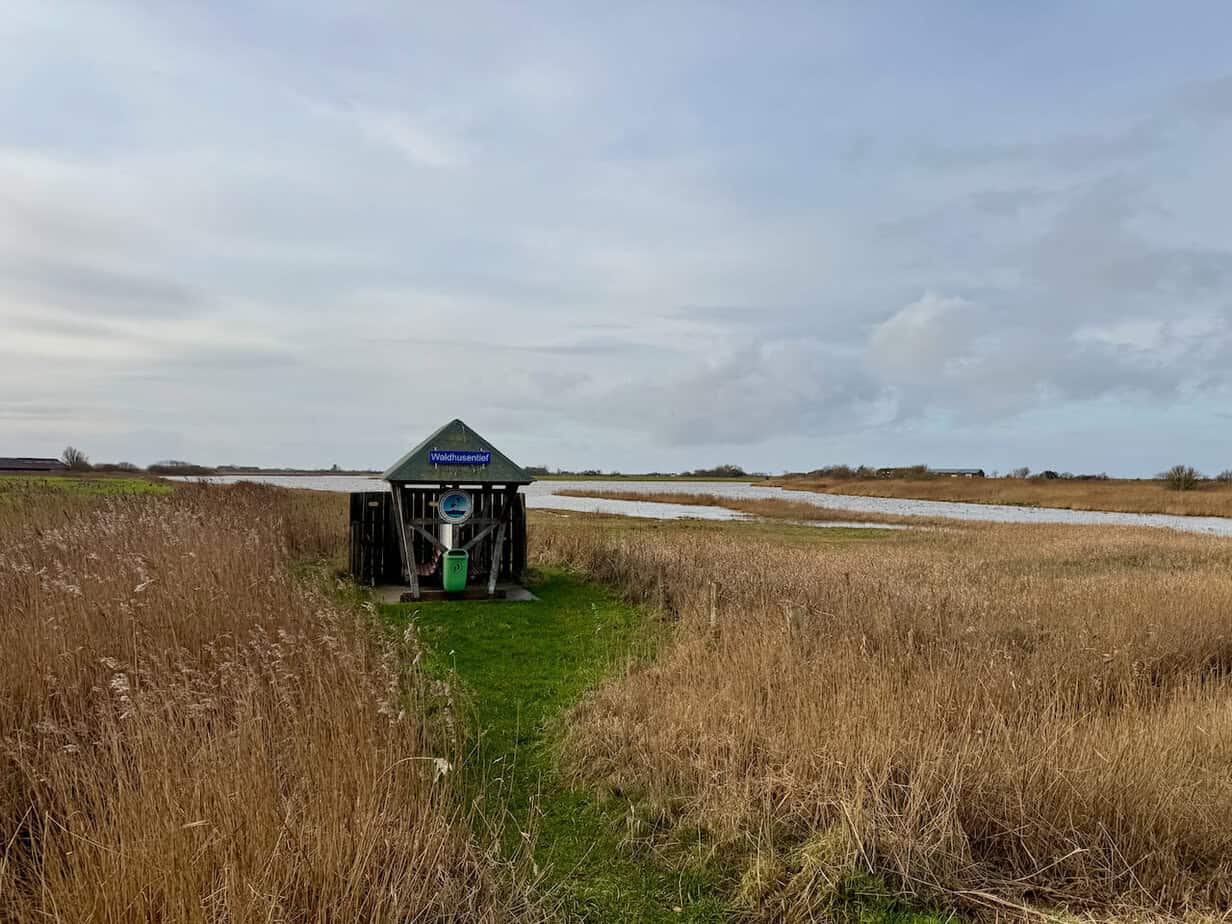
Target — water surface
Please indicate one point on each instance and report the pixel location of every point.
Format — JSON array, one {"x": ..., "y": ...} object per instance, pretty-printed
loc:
[{"x": 543, "y": 495}]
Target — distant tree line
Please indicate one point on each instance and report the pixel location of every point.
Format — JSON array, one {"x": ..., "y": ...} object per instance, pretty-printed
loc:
[
  {"x": 1050, "y": 475},
  {"x": 1188, "y": 478},
  {"x": 76, "y": 460},
  {"x": 1177, "y": 478}
]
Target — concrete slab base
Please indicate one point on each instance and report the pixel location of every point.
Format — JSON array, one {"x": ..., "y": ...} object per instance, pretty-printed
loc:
[{"x": 401, "y": 593}]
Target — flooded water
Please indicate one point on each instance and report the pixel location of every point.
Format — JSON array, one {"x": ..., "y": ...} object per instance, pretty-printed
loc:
[
  {"x": 543, "y": 495},
  {"x": 539, "y": 496}
]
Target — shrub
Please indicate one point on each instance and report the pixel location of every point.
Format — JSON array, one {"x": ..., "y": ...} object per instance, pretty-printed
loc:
[
  {"x": 836, "y": 472},
  {"x": 719, "y": 471},
  {"x": 1181, "y": 478},
  {"x": 75, "y": 459},
  {"x": 128, "y": 467},
  {"x": 176, "y": 467},
  {"x": 1224, "y": 476}
]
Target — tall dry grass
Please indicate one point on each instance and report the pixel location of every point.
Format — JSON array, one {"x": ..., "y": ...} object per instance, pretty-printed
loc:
[
  {"x": 771, "y": 508},
  {"x": 998, "y": 717},
  {"x": 188, "y": 733},
  {"x": 1209, "y": 498}
]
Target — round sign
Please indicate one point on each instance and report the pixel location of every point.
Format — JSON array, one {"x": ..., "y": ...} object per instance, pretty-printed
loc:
[{"x": 454, "y": 507}]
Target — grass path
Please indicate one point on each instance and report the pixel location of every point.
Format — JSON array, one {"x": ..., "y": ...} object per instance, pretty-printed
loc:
[{"x": 523, "y": 665}]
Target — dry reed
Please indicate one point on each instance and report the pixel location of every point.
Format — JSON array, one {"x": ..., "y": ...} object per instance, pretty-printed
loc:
[
  {"x": 188, "y": 733},
  {"x": 770, "y": 508},
  {"x": 1210, "y": 498},
  {"x": 998, "y": 717}
]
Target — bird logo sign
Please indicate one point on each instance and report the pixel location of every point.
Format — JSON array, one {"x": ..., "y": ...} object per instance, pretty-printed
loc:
[{"x": 454, "y": 507}]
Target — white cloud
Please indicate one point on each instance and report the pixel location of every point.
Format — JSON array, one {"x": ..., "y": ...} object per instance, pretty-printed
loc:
[
  {"x": 928, "y": 338},
  {"x": 422, "y": 144},
  {"x": 646, "y": 230}
]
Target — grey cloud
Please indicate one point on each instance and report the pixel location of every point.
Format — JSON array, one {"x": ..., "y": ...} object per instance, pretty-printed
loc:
[
  {"x": 838, "y": 322},
  {"x": 599, "y": 346},
  {"x": 209, "y": 360},
  {"x": 763, "y": 391},
  {"x": 88, "y": 288},
  {"x": 634, "y": 258},
  {"x": 37, "y": 411},
  {"x": 947, "y": 355},
  {"x": 960, "y": 216},
  {"x": 1070, "y": 152},
  {"x": 1096, "y": 149},
  {"x": 70, "y": 325},
  {"x": 1208, "y": 98},
  {"x": 1008, "y": 201},
  {"x": 1093, "y": 253},
  {"x": 555, "y": 382}
]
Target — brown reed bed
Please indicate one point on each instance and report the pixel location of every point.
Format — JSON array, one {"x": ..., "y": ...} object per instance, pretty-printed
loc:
[
  {"x": 190, "y": 733},
  {"x": 1208, "y": 498},
  {"x": 767, "y": 508},
  {"x": 1002, "y": 719}
]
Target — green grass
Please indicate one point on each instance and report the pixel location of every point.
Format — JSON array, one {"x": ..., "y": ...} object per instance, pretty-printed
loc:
[
  {"x": 83, "y": 485},
  {"x": 521, "y": 666}
]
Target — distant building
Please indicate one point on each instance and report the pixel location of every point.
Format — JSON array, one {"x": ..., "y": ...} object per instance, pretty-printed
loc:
[
  {"x": 919, "y": 471},
  {"x": 32, "y": 465}
]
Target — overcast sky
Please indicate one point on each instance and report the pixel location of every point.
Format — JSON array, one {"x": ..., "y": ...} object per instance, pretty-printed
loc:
[{"x": 627, "y": 236}]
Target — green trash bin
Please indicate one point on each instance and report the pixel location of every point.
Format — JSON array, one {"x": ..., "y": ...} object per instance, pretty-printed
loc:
[{"x": 454, "y": 569}]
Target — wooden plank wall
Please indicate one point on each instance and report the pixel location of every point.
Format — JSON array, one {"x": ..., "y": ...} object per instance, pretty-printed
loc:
[
  {"x": 372, "y": 528},
  {"x": 375, "y": 555}
]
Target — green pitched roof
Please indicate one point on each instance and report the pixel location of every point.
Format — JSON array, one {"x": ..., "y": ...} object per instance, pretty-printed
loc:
[{"x": 456, "y": 436}]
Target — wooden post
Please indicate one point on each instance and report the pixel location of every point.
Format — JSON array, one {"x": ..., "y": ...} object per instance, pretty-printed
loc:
[
  {"x": 496, "y": 558},
  {"x": 408, "y": 548},
  {"x": 714, "y": 607},
  {"x": 499, "y": 550}
]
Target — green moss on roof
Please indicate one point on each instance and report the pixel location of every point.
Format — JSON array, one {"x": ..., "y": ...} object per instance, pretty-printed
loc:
[{"x": 458, "y": 437}]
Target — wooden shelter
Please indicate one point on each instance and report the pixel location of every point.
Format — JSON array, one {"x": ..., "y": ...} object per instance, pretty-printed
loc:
[{"x": 401, "y": 535}]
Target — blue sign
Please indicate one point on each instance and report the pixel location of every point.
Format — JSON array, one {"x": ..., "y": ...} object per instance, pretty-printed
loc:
[
  {"x": 454, "y": 507},
  {"x": 459, "y": 457}
]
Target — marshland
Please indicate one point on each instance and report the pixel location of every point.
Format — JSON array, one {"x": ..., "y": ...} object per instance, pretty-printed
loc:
[
  {"x": 1200, "y": 496},
  {"x": 856, "y": 543},
  {"x": 203, "y": 720}
]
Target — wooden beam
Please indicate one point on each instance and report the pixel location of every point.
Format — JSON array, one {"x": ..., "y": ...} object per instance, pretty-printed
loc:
[
  {"x": 431, "y": 538},
  {"x": 408, "y": 553},
  {"x": 499, "y": 550},
  {"x": 473, "y": 521},
  {"x": 496, "y": 559},
  {"x": 497, "y": 519},
  {"x": 480, "y": 536}
]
